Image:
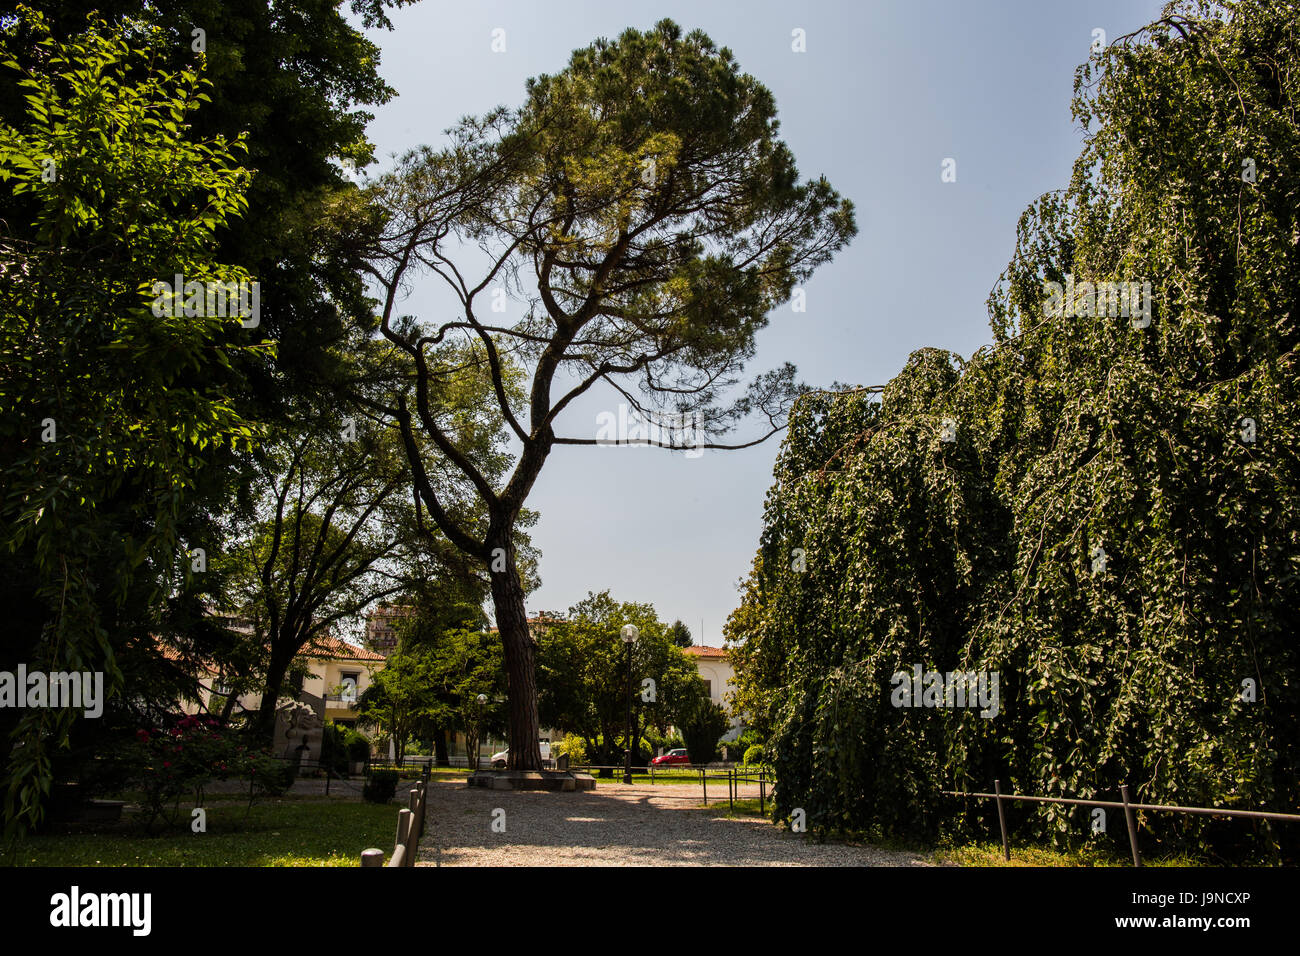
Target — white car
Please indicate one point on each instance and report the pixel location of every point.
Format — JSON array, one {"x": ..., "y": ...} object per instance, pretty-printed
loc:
[{"x": 499, "y": 759}]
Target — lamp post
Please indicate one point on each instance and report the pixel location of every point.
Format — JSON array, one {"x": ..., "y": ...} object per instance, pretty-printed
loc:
[
  {"x": 478, "y": 727},
  {"x": 630, "y": 634}
]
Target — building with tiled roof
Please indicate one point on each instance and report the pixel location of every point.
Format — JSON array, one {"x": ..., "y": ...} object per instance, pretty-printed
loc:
[
  {"x": 714, "y": 667},
  {"x": 708, "y": 653},
  {"x": 338, "y": 673},
  {"x": 330, "y": 646}
]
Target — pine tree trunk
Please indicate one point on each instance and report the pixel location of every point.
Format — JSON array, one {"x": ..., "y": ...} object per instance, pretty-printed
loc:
[{"x": 520, "y": 659}]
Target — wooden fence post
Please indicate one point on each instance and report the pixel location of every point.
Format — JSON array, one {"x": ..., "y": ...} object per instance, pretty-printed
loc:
[
  {"x": 372, "y": 857},
  {"x": 403, "y": 828}
]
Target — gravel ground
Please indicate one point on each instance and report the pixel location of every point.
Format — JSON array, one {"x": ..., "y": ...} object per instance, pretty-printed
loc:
[{"x": 617, "y": 825}]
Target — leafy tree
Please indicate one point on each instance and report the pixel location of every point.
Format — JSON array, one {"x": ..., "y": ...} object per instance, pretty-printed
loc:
[
  {"x": 583, "y": 675},
  {"x": 401, "y": 700},
  {"x": 332, "y": 533},
  {"x": 101, "y": 436},
  {"x": 440, "y": 606},
  {"x": 641, "y": 202},
  {"x": 144, "y": 184},
  {"x": 295, "y": 77},
  {"x": 426, "y": 687},
  {"x": 1106, "y": 532},
  {"x": 702, "y": 724}
]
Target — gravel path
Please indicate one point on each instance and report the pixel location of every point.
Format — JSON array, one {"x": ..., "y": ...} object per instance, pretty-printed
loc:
[{"x": 617, "y": 825}]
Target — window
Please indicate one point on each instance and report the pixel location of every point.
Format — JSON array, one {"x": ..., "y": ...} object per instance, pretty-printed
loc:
[
  {"x": 348, "y": 694},
  {"x": 708, "y": 689}
]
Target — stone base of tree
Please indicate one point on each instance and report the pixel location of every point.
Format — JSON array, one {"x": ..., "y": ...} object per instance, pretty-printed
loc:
[{"x": 531, "y": 780}]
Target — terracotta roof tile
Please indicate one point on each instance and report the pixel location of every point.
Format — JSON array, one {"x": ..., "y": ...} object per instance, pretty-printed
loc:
[{"x": 331, "y": 646}]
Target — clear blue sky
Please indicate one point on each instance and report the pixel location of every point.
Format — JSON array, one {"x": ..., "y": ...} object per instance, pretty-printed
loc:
[{"x": 884, "y": 93}]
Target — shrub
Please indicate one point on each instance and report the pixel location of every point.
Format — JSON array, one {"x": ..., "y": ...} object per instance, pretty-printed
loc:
[
  {"x": 574, "y": 746},
  {"x": 381, "y": 786},
  {"x": 166, "y": 764},
  {"x": 702, "y": 728},
  {"x": 271, "y": 777},
  {"x": 340, "y": 745},
  {"x": 754, "y": 754},
  {"x": 358, "y": 748}
]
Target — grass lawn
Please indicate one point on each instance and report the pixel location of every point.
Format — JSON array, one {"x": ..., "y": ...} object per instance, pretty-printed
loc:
[
  {"x": 289, "y": 831},
  {"x": 742, "y": 808},
  {"x": 640, "y": 777},
  {"x": 990, "y": 854},
  {"x": 717, "y": 778}
]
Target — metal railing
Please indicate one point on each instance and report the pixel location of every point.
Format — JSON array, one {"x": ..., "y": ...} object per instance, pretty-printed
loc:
[
  {"x": 1130, "y": 811},
  {"x": 410, "y": 827},
  {"x": 734, "y": 776}
]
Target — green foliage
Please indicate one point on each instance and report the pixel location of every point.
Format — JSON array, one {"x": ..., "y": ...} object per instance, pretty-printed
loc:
[
  {"x": 330, "y": 533},
  {"x": 754, "y": 755},
  {"x": 289, "y": 832},
  {"x": 433, "y": 682},
  {"x": 108, "y": 190},
  {"x": 701, "y": 726},
  {"x": 644, "y": 186},
  {"x": 381, "y": 786},
  {"x": 1075, "y": 433},
  {"x": 169, "y": 764},
  {"x": 680, "y": 634},
  {"x": 342, "y": 745},
  {"x": 582, "y": 674},
  {"x": 119, "y": 166},
  {"x": 358, "y": 747},
  {"x": 574, "y": 746}
]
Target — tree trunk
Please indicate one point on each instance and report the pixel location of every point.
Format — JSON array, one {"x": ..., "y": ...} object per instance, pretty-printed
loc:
[
  {"x": 520, "y": 658},
  {"x": 228, "y": 708},
  {"x": 471, "y": 746},
  {"x": 440, "y": 758},
  {"x": 265, "y": 727}
]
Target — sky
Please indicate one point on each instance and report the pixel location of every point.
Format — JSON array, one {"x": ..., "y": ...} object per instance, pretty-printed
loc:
[{"x": 881, "y": 96}]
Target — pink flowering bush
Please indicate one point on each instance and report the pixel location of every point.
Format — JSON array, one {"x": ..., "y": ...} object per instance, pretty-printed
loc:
[{"x": 167, "y": 764}]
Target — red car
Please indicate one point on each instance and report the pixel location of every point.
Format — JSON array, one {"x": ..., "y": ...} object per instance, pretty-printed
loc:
[{"x": 672, "y": 757}]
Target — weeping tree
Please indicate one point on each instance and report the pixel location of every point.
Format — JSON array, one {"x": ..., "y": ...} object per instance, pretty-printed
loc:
[
  {"x": 1102, "y": 506},
  {"x": 642, "y": 210}
]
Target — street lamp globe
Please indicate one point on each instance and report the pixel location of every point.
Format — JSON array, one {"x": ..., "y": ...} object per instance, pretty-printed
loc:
[{"x": 630, "y": 633}]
